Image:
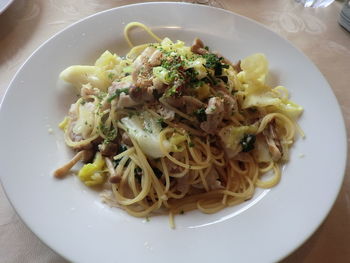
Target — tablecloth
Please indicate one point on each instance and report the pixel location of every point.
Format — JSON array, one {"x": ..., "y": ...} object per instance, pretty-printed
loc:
[{"x": 28, "y": 23}]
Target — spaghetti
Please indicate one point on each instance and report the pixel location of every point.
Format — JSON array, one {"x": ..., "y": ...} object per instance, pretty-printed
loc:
[{"x": 173, "y": 128}]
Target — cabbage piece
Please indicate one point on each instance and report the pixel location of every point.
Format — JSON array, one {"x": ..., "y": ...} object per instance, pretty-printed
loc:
[
  {"x": 175, "y": 142},
  {"x": 260, "y": 95},
  {"x": 202, "y": 91},
  {"x": 253, "y": 74},
  {"x": 92, "y": 173},
  {"x": 291, "y": 109},
  {"x": 255, "y": 67},
  {"x": 177, "y": 48},
  {"x": 86, "y": 119},
  {"x": 80, "y": 75},
  {"x": 231, "y": 136},
  {"x": 233, "y": 80},
  {"x": 107, "y": 60},
  {"x": 261, "y": 151},
  {"x": 257, "y": 94},
  {"x": 145, "y": 129},
  {"x": 99, "y": 76},
  {"x": 198, "y": 66},
  {"x": 162, "y": 74}
]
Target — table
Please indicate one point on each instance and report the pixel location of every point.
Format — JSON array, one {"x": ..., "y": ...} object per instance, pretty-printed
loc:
[{"x": 28, "y": 23}]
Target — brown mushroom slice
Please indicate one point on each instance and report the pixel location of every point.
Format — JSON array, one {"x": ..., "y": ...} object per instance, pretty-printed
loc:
[
  {"x": 114, "y": 178},
  {"x": 84, "y": 155},
  {"x": 273, "y": 149},
  {"x": 126, "y": 139},
  {"x": 273, "y": 142},
  {"x": 237, "y": 66},
  {"x": 108, "y": 149},
  {"x": 198, "y": 47}
]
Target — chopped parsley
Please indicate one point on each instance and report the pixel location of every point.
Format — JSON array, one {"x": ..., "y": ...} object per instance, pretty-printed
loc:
[
  {"x": 214, "y": 62},
  {"x": 210, "y": 79},
  {"x": 161, "y": 122},
  {"x": 200, "y": 115},
  {"x": 156, "y": 94},
  {"x": 191, "y": 144},
  {"x": 224, "y": 79},
  {"x": 175, "y": 90},
  {"x": 172, "y": 63},
  {"x": 122, "y": 148},
  {"x": 117, "y": 93},
  {"x": 109, "y": 132},
  {"x": 111, "y": 75},
  {"x": 158, "y": 173},
  {"x": 191, "y": 78},
  {"x": 247, "y": 142},
  {"x": 101, "y": 95}
]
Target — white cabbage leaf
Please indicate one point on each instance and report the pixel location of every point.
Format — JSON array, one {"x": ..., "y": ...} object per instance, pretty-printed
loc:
[{"x": 145, "y": 129}]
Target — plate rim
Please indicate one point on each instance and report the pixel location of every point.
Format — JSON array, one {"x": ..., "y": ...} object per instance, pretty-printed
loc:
[
  {"x": 82, "y": 20},
  {"x": 7, "y": 5}
]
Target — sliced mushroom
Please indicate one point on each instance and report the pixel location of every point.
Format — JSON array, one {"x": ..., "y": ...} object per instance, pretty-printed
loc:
[
  {"x": 198, "y": 47},
  {"x": 108, "y": 149},
  {"x": 126, "y": 139},
  {"x": 272, "y": 142},
  {"x": 84, "y": 156},
  {"x": 237, "y": 66},
  {"x": 114, "y": 178}
]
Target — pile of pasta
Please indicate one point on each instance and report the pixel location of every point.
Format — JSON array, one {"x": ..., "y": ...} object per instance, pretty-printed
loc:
[{"x": 171, "y": 128}]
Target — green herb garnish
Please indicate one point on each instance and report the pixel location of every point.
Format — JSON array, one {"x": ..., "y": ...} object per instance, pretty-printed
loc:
[
  {"x": 161, "y": 122},
  {"x": 247, "y": 142},
  {"x": 111, "y": 75},
  {"x": 200, "y": 115},
  {"x": 158, "y": 173},
  {"x": 117, "y": 93}
]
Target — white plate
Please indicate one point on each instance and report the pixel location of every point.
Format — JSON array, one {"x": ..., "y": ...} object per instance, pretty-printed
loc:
[
  {"x": 70, "y": 217},
  {"x": 4, "y": 4}
]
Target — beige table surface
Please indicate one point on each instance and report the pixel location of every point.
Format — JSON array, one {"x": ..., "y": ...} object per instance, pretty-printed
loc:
[{"x": 28, "y": 23}]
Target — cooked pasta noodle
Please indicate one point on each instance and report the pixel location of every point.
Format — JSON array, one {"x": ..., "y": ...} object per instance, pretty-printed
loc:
[{"x": 173, "y": 128}]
